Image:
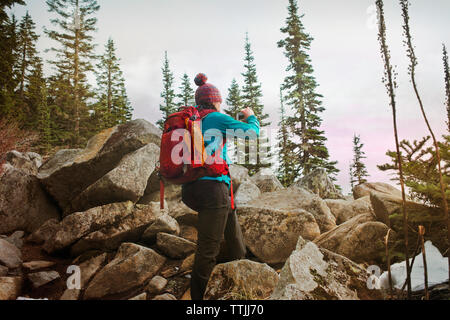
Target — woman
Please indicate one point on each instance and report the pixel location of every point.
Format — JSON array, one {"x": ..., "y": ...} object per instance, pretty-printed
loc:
[{"x": 209, "y": 196}]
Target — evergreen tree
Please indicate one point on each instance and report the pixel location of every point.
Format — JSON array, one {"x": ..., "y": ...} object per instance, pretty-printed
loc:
[
  {"x": 447, "y": 84},
  {"x": 168, "y": 107},
  {"x": 234, "y": 100},
  {"x": 234, "y": 103},
  {"x": 187, "y": 95},
  {"x": 300, "y": 85},
  {"x": 285, "y": 169},
  {"x": 36, "y": 97},
  {"x": 358, "y": 170},
  {"x": 75, "y": 22},
  {"x": 27, "y": 39},
  {"x": 251, "y": 95},
  {"x": 113, "y": 106},
  {"x": 8, "y": 62},
  {"x": 8, "y": 57},
  {"x": 27, "y": 60}
]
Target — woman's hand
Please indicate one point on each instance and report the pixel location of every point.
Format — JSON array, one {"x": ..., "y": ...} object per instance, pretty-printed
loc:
[{"x": 247, "y": 112}]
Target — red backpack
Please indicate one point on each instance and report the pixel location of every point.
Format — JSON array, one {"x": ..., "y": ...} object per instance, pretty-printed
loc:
[{"x": 183, "y": 158}]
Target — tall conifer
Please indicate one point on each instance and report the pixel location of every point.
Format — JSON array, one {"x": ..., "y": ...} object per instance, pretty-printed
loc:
[
  {"x": 251, "y": 97},
  {"x": 186, "y": 95},
  {"x": 300, "y": 87},
  {"x": 358, "y": 170},
  {"x": 75, "y": 22},
  {"x": 168, "y": 106},
  {"x": 113, "y": 106}
]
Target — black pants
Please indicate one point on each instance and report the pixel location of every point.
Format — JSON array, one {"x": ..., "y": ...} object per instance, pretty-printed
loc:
[{"x": 216, "y": 220}]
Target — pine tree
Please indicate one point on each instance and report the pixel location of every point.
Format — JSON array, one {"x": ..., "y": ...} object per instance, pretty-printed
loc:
[
  {"x": 8, "y": 57},
  {"x": 300, "y": 85},
  {"x": 73, "y": 63},
  {"x": 8, "y": 62},
  {"x": 187, "y": 93},
  {"x": 113, "y": 106},
  {"x": 285, "y": 170},
  {"x": 27, "y": 49},
  {"x": 234, "y": 103},
  {"x": 168, "y": 107},
  {"x": 358, "y": 168},
  {"x": 234, "y": 100},
  {"x": 251, "y": 95},
  {"x": 27, "y": 60},
  {"x": 447, "y": 84},
  {"x": 36, "y": 97}
]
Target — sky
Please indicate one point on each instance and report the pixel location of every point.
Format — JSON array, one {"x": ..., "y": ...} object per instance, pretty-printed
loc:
[{"x": 208, "y": 36}]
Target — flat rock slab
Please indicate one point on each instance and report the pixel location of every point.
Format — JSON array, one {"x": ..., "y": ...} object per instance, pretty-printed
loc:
[
  {"x": 40, "y": 279},
  {"x": 173, "y": 246},
  {"x": 80, "y": 224},
  {"x": 36, "y": 265},
  {"x": 10, "y": 255},
  {"x": 165, "y": 224}
]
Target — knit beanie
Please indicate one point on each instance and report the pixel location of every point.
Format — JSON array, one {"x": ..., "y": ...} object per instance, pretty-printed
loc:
[{"x": 206, "y": 92}]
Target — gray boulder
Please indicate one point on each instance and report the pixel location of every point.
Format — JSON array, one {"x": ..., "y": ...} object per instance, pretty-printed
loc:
[
  {"x": 365, "y": 189},
  {"x": 132, "y": 266},
  {"x": 345, "y": 210},
  {"x": 271, "y": 234},
  {"x": 10, "y": 255},
  {"x": 126, "y": 182},
  {"x": 164, "y": 223},
  {"x": 247, "y": 192},
  {"x": 294, "y": 198},
  {"x": 28, "y": 162},
  {"x": 173, "y": 246},
  {"x": 360, "y": 239},
  {"x": 128, "y": 229},
  {"x": 80, "y": 224},
  {"x": 24, "y": 205},
  {"x": 266, "y": 181},
  {"x": 239, "y": 174},
  {"x": 70, "y": 172},
  {"x": 241, "y": 280},
  {"x": 312, "y": 273},
  {"x": 319, "y": 183}
]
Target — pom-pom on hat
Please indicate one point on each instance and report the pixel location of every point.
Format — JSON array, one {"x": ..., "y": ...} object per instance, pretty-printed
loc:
[{"x": 206, "y": 93}]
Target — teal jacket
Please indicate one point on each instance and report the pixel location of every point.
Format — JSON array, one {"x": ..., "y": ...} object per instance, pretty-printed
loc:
[{"x": 229, "y": 127}]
